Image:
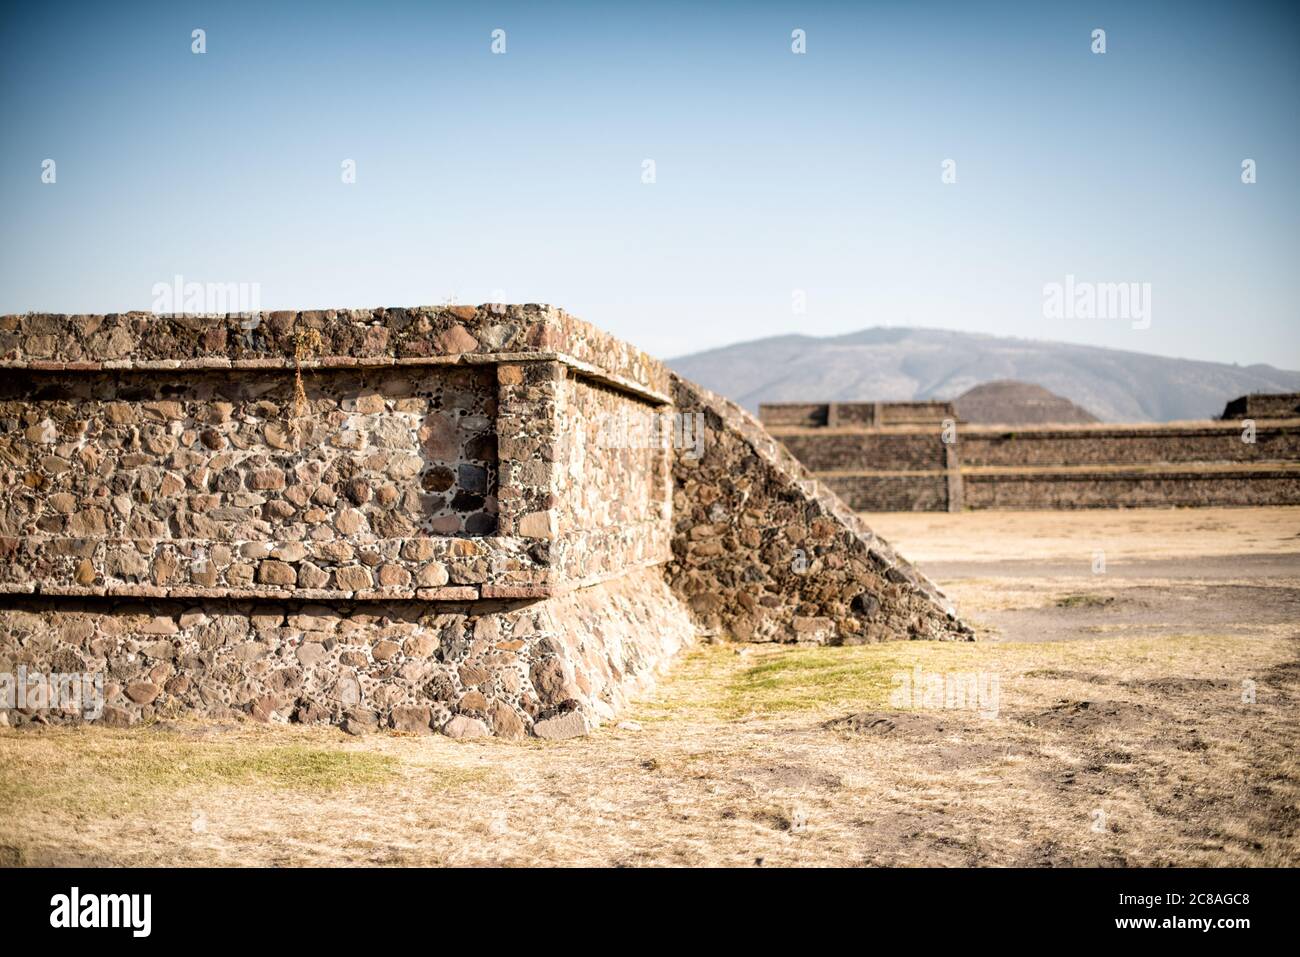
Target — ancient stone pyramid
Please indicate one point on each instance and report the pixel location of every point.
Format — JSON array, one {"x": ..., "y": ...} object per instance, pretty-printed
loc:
[{"x": 479, "y": 520}]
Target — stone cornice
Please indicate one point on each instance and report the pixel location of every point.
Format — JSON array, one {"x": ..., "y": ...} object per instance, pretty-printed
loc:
[{"x": 330, "y": 338}]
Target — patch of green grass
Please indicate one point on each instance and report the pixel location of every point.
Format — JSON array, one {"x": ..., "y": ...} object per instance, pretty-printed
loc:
[
  {"x": 726, "y": 681},
  {"x": 812, "y": 679},
  {"x": 860, "y": 678},
  {"x": 717, "y": 682}
]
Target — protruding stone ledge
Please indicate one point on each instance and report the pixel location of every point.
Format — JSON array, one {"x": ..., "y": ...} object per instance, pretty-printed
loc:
[
  {"x": 376, "y": 569},
  {"x": 332, "y": 338},
  {"x": 425, "y": 568}
]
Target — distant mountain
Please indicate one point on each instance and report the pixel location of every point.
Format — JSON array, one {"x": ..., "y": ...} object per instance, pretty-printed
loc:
[
  {"x": 1008, "y": 402},
  {"x": 897, "y": 363}
]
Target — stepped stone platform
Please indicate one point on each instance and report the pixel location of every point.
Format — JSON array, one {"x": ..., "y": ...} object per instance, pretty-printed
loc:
[
  {"x": 475, "y": 520},
  {"x": 1263, "y": 405},
  {"x": 949, "y": 465}
]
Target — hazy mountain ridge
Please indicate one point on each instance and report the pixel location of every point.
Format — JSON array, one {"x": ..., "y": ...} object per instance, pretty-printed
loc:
[{"x": 899, "y": 363}]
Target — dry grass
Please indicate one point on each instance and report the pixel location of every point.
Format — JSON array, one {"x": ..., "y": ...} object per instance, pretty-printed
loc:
[
  {"x": 1124, "y": 749},
  {"x": 117, "y": 771}
]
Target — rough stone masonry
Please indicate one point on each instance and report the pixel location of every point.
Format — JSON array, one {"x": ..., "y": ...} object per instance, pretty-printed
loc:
[
  {"x": 410, "y": 518},
  {"x": 910, "y": 456}
]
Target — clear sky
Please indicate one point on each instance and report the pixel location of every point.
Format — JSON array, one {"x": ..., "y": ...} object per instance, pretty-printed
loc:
[{"x": 518, "y": 176}]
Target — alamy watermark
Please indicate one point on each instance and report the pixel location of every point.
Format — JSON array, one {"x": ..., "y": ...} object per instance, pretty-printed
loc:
[
  {"x": 1074, "y": 299},
  {"x": 962, "y": 691},
  {"x": 77, "y": 691},
  {"x": 75, "y": 909},
  {"x": 181, "y": 298},
  {"x": 683, "y": 431}
]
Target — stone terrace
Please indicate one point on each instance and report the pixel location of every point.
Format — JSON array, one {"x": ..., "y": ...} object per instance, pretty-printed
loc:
[
  {"x": 947, "y": 465},
  {"x": 413, "y": 517}
]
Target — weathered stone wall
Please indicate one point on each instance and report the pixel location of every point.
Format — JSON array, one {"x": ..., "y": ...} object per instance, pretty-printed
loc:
[
  {"x": 507, "y": 668},
  {"x": 1089, "y": 445},
  {"x": 359, "y": 482},
  {"x": 325, "y": 337},
  {"x": 803, "y": 415},
  {"x": 1083, "y": 466},
  {"x": 892, "y": 492},
  {"x": 405, "y": 468},
  {"x": 158, "y": 456},
  {"x": 613, "y": 485},
  {"x": 1280, "y": 405},
  {"x": 848, "y": 449},
  {"x": 833, "y": 415},
  {"x": 904, "y": 413},
  {"x": 1124, "y": 488},
  {"x": 765, "y": 553}
]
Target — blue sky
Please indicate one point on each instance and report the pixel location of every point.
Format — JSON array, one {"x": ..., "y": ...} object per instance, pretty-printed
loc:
[{"x": 519, "y": 176}]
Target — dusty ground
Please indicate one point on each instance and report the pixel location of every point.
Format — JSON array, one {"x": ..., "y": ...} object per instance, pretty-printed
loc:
[
  {"x": 1122, "y": 732},
  {"x": 1122, "y": 533}
]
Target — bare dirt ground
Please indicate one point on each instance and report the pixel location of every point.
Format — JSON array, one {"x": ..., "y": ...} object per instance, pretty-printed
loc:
[
  {"x": 1054, "y": 576},
  {"x": 1138, "y": 719},
  {"x": 1122, "y": 533}
]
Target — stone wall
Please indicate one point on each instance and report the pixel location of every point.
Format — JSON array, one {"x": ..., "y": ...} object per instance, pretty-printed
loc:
[
  {"x": 550, "y": 668},
  {"x": 1280, "y": 405},
  {"x": 612, "y": 491},
  {"x": 1078, "y": 466},
  {"x": 893, "y": 492},
  {"x": 901, "y": 413},
  {"x": 414, "y": 518},
  {"x": 845, "y": 450},
  {"x": 1091, "y": 445},
  {"x": 805, "y": 415},
  {"x": 1131, "y": 488},
  {"x": 163, "y": 458},
  {"x": 854, "y": 414},
  {"x": 326, "y": 338}
]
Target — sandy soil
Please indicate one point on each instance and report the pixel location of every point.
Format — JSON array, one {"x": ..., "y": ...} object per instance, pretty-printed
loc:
[
  {"x": 1122, "y": 534},
  {"x": 1124, "y": 721}
]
